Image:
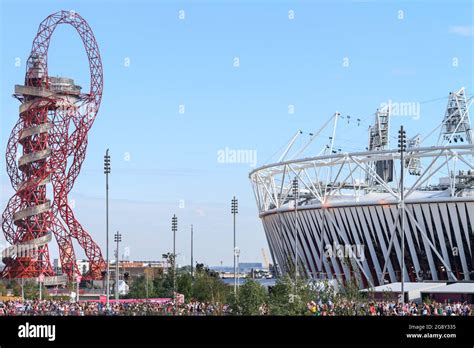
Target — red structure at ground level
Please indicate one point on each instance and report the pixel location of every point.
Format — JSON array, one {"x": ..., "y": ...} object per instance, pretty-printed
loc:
[{"x": 55, "y": 118}]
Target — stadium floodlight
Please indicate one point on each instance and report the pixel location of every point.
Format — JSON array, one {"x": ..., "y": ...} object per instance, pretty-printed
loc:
[
  {"x": 295, "y": 187},
  {"x": 107, "y": 274},
  {"x": 174, "y": 229},
  {"x": 117, "y": 239},
  {"x": 234, "y": 211},
  {"x": 402, "y": 140}
]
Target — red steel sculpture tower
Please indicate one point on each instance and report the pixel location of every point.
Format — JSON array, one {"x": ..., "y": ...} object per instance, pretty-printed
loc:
[{"x": 55, "y": 118}]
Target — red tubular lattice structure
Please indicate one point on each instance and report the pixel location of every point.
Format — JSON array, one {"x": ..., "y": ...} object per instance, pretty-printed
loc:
[{"x": 52, "y": 130}]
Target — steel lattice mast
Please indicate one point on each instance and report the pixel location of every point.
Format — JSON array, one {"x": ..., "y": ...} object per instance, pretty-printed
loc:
[{"x": 55, "y": 118}]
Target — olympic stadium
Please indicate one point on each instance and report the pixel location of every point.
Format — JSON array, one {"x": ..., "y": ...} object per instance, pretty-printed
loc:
[{"x": 356, "y": 215}]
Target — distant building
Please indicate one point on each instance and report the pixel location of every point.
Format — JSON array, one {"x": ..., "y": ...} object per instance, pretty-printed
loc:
[
  {"x": 134, "y": 269},
  {"x": 56, "y": 265},
  {"x": 131, "y": 269},
  {"x": 246, "y": 267},
  {"x": 83, "y": 266},
  {"x": 243, "y": 267}
]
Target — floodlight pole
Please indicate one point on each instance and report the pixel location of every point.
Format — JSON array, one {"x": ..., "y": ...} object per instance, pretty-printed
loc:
[
  {"x": 234, "y": 211},
  {"x": 107, "y": 172},
  {"x": 402, "y": 149}
]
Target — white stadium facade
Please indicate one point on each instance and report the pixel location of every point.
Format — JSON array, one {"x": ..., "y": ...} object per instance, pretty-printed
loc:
[{"x": 343, "y": 215}]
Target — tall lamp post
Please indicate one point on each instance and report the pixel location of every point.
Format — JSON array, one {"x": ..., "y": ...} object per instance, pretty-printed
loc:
[
  {"x": 146, "y": 278},
  {"x": 117, "y": 239},
  {"x": 234, "y": 211},
  {"x": 78, "y": 282},
  {"x": 237, "y": 255},
  {"x": 192, "y": 259},
  {"x": 295, "y": 195},
  {"x": 401, "y": 149},
  {"x": 174, "y": 228},
  {"x": 40, "y": 282},
  {"x": 107, "y": 172}
]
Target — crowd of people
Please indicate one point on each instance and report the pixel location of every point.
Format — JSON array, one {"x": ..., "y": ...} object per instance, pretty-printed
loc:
[
  {"x": 86, "y": 308},
  {"x": 389, "y": 308},
  {"x": 193, "y": 307},
  {"x": 169, "y": 308}
]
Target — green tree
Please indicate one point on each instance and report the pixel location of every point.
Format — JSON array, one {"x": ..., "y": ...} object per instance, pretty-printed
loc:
[
  {"x": 163, "y": 285},
  {"x": 286, "y": 298},
  {"x": 350, "y": 293},
  {"x": 160, "y": 288},
  {"x": 3, "y": 289},
  {"x": 251, "y": 296},
  {"x": 200, "y": 269},
  {"x": 169, "y": 279},
  {"x": 15, "y": 287},
  {"x": 138, "y": 288},
  {"x": 184, "y": 285},
  {"x": 208, "y": 288},
  {"x": 31, "y": 290}
]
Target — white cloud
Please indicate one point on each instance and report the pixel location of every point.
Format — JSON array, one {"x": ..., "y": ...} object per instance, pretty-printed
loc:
[{"x": 462, "y": 30}]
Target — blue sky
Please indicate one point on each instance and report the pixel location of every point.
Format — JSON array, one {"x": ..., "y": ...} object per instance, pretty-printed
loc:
[{"x": 161, "y": 157}]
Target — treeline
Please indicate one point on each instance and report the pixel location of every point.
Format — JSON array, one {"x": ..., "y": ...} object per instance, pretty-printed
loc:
[{"x": 286, "y": 297}]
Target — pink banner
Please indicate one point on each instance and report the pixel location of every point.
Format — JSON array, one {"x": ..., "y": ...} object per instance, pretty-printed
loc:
[{"x": 103, "y": 300}]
